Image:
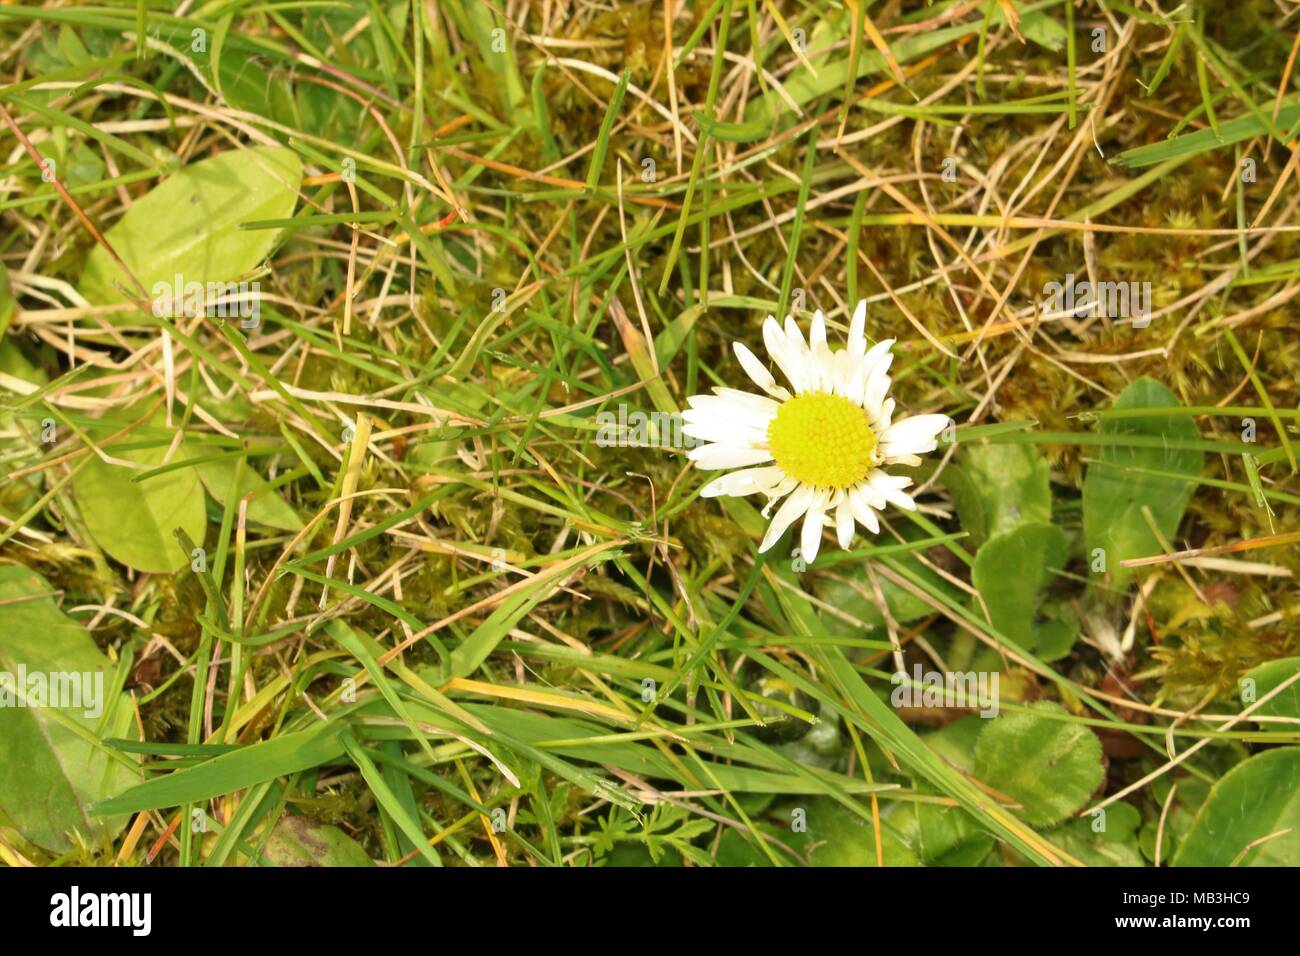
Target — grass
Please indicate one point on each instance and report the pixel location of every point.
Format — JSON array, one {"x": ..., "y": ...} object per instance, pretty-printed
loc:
[{"x": 480, "y": 636}]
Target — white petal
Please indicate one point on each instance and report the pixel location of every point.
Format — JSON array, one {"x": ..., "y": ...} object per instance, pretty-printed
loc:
[
  {"x": 748, "y": 400},
  {"x": 745, "y": 482},
  {"x": 905, "y": 461},
  {"x": 877, "y": 389},
  {"x": 855, "y": 391},
  {"x": 872, "y": 498},
  {"x": 719, "y": 456},
  {"x": 794, "y": 334},
  {"x": 876, "y": 361},
  {"x": 878, "y": 351},
  {"x": 736, "y": 407},
  {"x": 890, "y": 488},
  {"x": 778, "y": 492},
  {"x": 823, "y": 364},
  {"x": 882, "y": 480},
  {"x": 755, "y": 369},
  {"x": 881, "y": 424},
  {"x": 719, "y": 414},
  {"x": 791, "y": 509},
  {"x": 901, "y": 451},
  {"x": 918, "y": 426},
  {"x": 787, "y": 356},
  {"x": 913, "y": 436},
  {"x": 844, "y": 523},
  {"x": 862, "y": 510},
  {"x": 842, "y": 366},
  {"x": 803, "y": 354},
  {"x": 817, "y": 334},
  {"x": 732, "y": 426},
  {"x": 901, "y": 500},
  {"x": 857, "y": 330},
  {"x": 728, "y": 433},
  {"x": 810, "y": 540}
]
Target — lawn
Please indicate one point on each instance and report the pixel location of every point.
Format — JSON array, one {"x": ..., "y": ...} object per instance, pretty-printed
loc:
[{"x": 378, "y": 486}]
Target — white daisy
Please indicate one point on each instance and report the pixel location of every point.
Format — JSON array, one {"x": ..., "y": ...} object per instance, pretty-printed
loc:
[{"x": 823, "y": 448}]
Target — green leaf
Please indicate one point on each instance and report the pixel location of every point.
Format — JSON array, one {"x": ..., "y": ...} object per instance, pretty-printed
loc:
[
  {"x": 1049, "y": 766},
  {"x": 319, "y": 110},
  {"x": 51, "y": 766},
  {"x": 1205, "y": 140},
  {"x": 1011, "y": 572},
  {"x": 911, "y": 834},
  {"x": 6, "y": 301},
  {"x": 1044, "y": 30},
  {"x": 297, "y": 841},
  {"x": 997, "y": 487},
  {"x": 70, "y": 45},
  {"x": 839, "y": 837},
  {"x": 13, "y": 362},
  {"x": 188, "y": 225},
  {"x": 843, "y": 596},
  {"x": 389, "y": 801},
  {"x": 236, "y": 770},
  {"x": 848, "y": 589},
  {"x": 737, "y": 850},
  {"x": 1269, "y": 675},
  {"x": 955, "y": 742},
  {"x": 1114, "y": 495},
  {"x": 481, "y": 25},
  {"x": 1115, "y": 845},
  {"x": 17, "y": 495},
  {"x": 804, "y": 86},
  {"x": 476, "y": 648},
  {"x": 1055, "y": 635},
  {"x": 1255, "y": 799},
  {"x": 250, "y": 87},
  {"x": 1184, "y": 805},
  {"x": 220, "y": 477},
  {"x": 940, "y": 835},
  {"x": 1119, "y": 823},
  {"x": 134, "y": 521},
  {"x": 865, "y": 708}
]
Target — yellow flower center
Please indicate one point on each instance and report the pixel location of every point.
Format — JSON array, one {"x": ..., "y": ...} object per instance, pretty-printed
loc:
[{"x": 822, "y": 440}]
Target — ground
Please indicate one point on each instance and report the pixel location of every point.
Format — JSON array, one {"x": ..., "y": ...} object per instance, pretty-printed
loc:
[{"x": 344, "y": 349}]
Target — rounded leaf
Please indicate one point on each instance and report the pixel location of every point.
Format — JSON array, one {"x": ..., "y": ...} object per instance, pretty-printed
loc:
[
  {"x": 1048, "y": 765},
  {"x": 1257, "y": 800},
  {"x": 189, "y": 224}
]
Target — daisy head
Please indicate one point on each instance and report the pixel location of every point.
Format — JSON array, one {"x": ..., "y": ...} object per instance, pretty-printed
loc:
[{"x": 823, "y": 444}]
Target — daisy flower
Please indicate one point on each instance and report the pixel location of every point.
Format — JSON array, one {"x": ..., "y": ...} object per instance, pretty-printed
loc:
[{"x": 823, "y": 444}]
